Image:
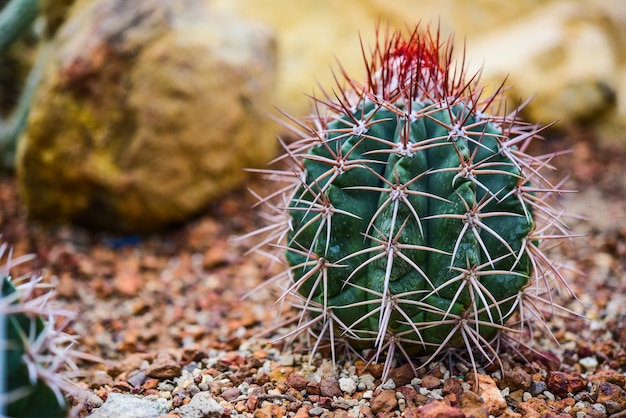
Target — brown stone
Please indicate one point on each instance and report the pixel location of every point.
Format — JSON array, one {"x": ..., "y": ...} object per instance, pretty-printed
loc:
[
  {"x": 430, "y": 382},
  {"x": 612, "y": 397},
  {"x": 330, "y": 387},
  {"x": 313, "y": 388},
  {"x": 409, "y": 395},
  {"x": 100, "y": 378},
  {"x": 561, "y": 383},
  {"x": 270, "y": 411},
  {"x": 452, "y": 385},
  {"x": 436, "y": 409},
  {"x": 231, "y": 394},
  {"x": 150, "y": 383},
  {"x": 303, "y": 412},
  {"x": 385, "y": 401},
  {"x": 609, "y": 376},
  {"x": 533, "y": 408},
  {"x": 473, "y": 406},
  {"x": 516, "y": 379},
  {"x": 402, "y": 375},
  {"x": 296, "y": 381},
  {"x": 489, "y": 392},
  {"x": 374, "y": 369},
  {"x": 164, "y": 367}
]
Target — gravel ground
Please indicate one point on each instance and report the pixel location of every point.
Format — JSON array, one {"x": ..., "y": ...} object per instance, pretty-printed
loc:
[{"x": 167, "y": 316}]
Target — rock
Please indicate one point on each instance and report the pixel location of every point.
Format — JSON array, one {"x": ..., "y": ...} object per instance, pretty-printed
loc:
[
  {"x": 610, "y": 376},
  {"x": 146, "y": 112},
  {"x": 489, "y": 392},
  {"x": 231, "y": 394},
  {"x": 315, "y": 412},
  {"x": 296, "y": 381},
  {"x": 538, "y": 387},
  {"x": 452, "y": 385},
  {"x": 435, "y": 409},
  {"x": 566, "y": 53},
  {"x": 402, "y": 375},
  {"x": 516, "y": 379},
  {"x": 121, "y": 405},
  {"x": 385, "y": 401},
  {"x": 473, "y": 406},
  {"x": 534, "y": 408},
  {"x": 347, "y": 385},
  {"x": 164, "y": 367},
  {"x": 561, "y": 383},
  {"x": 100, "y": 378},
  {"x": 202, "y": 405},
  {"x": 330, "y": 387},
  {"x": 430, "y": 382},
  {"x": 612, "y": 397}
]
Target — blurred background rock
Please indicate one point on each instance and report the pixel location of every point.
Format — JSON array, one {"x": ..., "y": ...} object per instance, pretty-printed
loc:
[
  {"x": 569, "y": 55},
  {"x": 147, "y": 111}
]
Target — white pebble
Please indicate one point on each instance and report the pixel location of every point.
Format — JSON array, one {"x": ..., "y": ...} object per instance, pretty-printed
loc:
[
  {"x": 589, "y": 363},
  {"x": 369, "y": 394},
  {"x": 526, "y": 396},
  {"x": 389, "y": 384},
  {"x": 369, "y": 381},
  {"x": 347, "y": 385},
  {"x": 549, "y": 395},
  {"x": 599, "y": 407}
]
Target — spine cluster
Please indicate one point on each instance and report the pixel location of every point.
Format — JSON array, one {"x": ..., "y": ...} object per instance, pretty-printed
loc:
[{"x": 35, "y": 353}]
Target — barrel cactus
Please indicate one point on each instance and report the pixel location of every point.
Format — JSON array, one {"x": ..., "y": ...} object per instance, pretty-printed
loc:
[
  {"x": 410, "y": 216},
  {"x": 34, "y": 352}
]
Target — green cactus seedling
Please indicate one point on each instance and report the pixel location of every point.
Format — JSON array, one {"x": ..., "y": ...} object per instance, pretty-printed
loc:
[{"x": 412, "y": 220}]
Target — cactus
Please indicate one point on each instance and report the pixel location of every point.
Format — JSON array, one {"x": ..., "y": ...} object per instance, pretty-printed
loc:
[
  {"x": 16, "y": 17},
  {"x": 35, "y": 352},
  {"x": 411, "y": 217}
]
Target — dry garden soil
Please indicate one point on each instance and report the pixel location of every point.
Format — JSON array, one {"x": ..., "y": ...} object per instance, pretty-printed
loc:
[{"x": 173, "y": 318}]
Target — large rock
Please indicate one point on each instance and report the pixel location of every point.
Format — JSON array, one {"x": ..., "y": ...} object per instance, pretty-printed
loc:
[
  {"x": 147, "y": 111},
  {"x": 566, "y": 55},
  {"x": 120, "y": 405}
]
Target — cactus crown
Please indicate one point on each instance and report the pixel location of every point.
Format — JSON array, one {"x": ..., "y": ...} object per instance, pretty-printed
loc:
[{"x": 412, "y": 219}]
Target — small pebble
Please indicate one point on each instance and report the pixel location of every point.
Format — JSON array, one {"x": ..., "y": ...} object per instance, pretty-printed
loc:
[
  {"x": 389, "y": 385},
  {"x": 526, "y": 396},
  {"x": 166, "y": 385},
  {"x": 316, "y": 412},
  {"x": 589, "y": 363},
  {"x": 368, "y": 381},
  {"x": 537, "y": 388},
  {"x": 599, "y": 407},
  {"x": 347, "y": 385},
  {"x": 549, "y": 395},
  {"x": 368, "y": 394}
]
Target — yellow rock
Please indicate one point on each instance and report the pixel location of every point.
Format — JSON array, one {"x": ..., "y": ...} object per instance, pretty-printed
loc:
[
  {"x": 568, "y": 54},
  {"x": 146, "y": 112}
]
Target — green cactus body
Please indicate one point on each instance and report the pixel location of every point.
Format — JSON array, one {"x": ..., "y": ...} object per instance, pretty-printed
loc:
[{"x": 415, "y": 217}]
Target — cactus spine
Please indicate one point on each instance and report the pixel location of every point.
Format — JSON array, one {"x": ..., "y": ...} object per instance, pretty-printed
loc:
[
  {"x": 35, "y": 352},
  {"x": 413, "y": 220}
]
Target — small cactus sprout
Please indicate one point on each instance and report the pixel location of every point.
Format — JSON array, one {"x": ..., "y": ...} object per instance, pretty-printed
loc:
[
  {"x": 411, "y": 218},
  {"x": 34, "y": 351}
]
